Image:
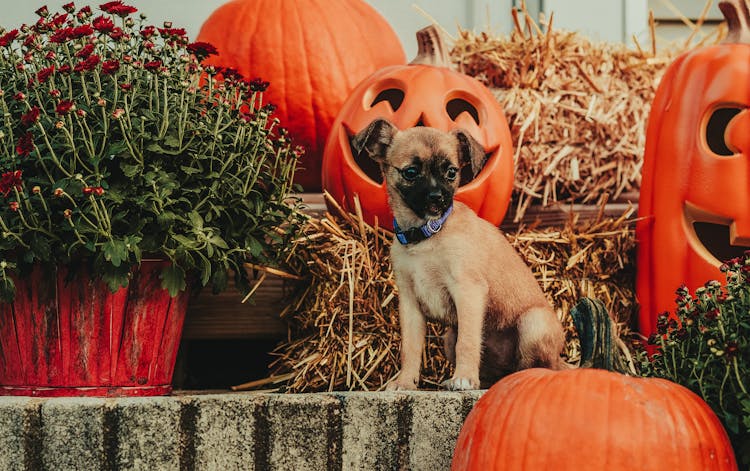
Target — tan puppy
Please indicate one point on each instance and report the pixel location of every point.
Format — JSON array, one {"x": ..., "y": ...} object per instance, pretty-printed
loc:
[{"x": 454, "y": 267}]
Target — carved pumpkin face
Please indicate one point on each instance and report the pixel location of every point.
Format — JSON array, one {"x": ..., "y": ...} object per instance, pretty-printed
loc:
[
  {"x": 419, "y": 94},
  {"x": 695, "y": 193}
]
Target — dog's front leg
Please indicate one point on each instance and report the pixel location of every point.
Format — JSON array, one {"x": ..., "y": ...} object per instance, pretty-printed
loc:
[
  {"x": 413, "y": 329},
  {"x": 471, "y": 303}
]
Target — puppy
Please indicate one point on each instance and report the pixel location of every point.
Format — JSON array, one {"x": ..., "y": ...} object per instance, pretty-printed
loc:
[{"x": 454, "y": 267}]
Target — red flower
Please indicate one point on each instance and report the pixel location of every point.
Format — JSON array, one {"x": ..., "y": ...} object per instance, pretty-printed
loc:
[
  {"x": 50, "y": 56},
  {"x": 25, "y": 144},
  {"x": 126, "y": 86},
  {"x": 9, "y": 181},
  {"x": 58, "y": 20},
  {"x": 13, "y": 205},
  {"x": 103, "y": 24},
  {"x": 81, "y": 31},
  {"x": 19, "y": 96},
  {"x": 84, "y": 13},
  {"x": 93, "y": 190},
  {"x": 30, "y": 118},
  {"x": 8, "y": 37},
  {"x": 118, "y": 8},
  {"x": 85, "y": 51},
  {"x": 258, "y": 85},
  {"x": 29, "y": 41},
  {"x": 148, "y": 31},
  {"x": 60, "y": 36},
  {"x": 65, "y": 69},
  {"x": 43, "y": 11},
  {"x": 69, "y": 7},
  {"x": 201, "y": 50},
  {"x": 152, "y": 66},
  {"x": 117, "y": 33},
  {"x": 172, "y": 32},
  {"x": 110, "y": 67},
  {"x": 64, "y": 107},
  {"x": 89, "y": 64}
]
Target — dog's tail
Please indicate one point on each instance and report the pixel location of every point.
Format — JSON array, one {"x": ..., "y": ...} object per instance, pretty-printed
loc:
[{"x": 601, "y": 347}]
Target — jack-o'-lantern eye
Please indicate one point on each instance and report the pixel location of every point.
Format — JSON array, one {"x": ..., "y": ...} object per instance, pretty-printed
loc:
[
  {"x": 716, "y": 127},
  {"x": 457, "y": 106},
  {"x": 393, "y": 96}
]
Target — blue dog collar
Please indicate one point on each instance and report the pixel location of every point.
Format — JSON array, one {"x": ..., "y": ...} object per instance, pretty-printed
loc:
[{"x": 418, "y": 234}]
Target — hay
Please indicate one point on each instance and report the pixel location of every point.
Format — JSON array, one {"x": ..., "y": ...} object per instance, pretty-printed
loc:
[
  {"x": 343, "y": 328},
  {"x": 577, "y": 109}
]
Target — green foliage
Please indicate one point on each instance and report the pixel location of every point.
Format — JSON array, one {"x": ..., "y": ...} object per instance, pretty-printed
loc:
[
  {"x": 119, "y": 144},
  {"x": 706, "y": 347}
]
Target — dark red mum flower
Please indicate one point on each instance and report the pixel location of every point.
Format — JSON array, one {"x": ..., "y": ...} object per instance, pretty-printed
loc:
[
  {"x": 89, "y": 64},
  {"x": 103, "y": 24},
  {"x": 30, "y": 118},
  {"x": 126, "y": 86},
  {"x": 85, "y": 51},
  {"x": 69, "y": 7},
  {"x": 58, "y": 20},
  {"x": 43, "y": 11},
  {"x": 201, "y": 49},
  {"x": 13, "y": 205},
  {"x": 148, "y": 31},
  {"x": 110, "y": 67},
  {"x": 153, "y": 65},
  {"x": 258, "y": 85},
  {"x": 44, "y": 74},
  {"x": 64, "y": 107},
  {"x": 9, "y": 181},
  {"x": 65, "y": 69},
  {"x": 117, "y": 33},
  {"x": 19, "y": 96},
  {"x": 84, "y": 13},
  {"x": 60, "y": 36},
  {"x": 118, "y": 8},
  {"x": 25, "y": 144},
  {"x": 81, "y": 31},
  {"x": 8, "y": 37},
  {"x": 172, "y": 32}
]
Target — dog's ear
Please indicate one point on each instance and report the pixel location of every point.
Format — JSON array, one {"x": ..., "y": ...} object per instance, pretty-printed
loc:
[
  {"x": 470, "y": 152},
  {"x": 374, "y": 140}
]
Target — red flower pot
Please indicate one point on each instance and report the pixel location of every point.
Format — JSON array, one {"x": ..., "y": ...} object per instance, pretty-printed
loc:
[{"x": 68, "y": 335}]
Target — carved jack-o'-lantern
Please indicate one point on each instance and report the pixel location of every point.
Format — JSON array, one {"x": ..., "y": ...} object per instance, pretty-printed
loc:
[
  {"x": 422, "y": 93},
  {"x": 695, "y": 193}
]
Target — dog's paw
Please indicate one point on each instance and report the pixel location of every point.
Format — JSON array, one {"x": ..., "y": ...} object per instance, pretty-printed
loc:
[
  {"x": 399, "y": 385},
  {"x": 460, "y": 384}
]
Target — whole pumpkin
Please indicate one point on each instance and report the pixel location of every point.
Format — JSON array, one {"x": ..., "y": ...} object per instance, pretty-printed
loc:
[
  {"x": 695, "y": 195},
  {"x": 313, "y": 52},
  {"x": 423, "y": 93},
  {"x": 539, "y": 419}
]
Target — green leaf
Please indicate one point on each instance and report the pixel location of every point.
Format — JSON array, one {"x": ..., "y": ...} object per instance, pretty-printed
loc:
[
  {"x": 116, "y": 277},
  {"x": 190, "y": 170},
  {"x": 115, "y": 251},
  {"x": 256, "y": 248},
  {"x": 196, "y": 220},
  {"x": 130, "y": 170},
  {"x": 173, "y": 279},
  {"x": 7, "y": 289}
]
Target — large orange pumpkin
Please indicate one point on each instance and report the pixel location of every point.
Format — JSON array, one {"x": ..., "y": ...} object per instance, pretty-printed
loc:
[
  {"x": 424, "y": 92},
  {"x": 313, "y": 52},
  {"x": 695, "y": 193},
  {"x": 540, "y": 419}
]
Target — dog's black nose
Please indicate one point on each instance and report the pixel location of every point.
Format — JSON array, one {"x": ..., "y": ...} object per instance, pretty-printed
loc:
[{"x": 435, "y": 196}]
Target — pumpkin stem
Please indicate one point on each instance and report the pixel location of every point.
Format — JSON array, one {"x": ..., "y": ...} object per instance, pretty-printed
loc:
[
  {"x": 430, "y": 48},
  {"x": 737, "y": 14},
  {"x": 596, "y": 332}
]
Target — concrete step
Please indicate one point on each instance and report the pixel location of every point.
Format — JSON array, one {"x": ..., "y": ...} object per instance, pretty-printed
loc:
[{"x": 237, "y": 431}]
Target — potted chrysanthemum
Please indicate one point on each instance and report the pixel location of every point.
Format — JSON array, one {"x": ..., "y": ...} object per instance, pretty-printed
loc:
[{"x": 129, "y": 174}]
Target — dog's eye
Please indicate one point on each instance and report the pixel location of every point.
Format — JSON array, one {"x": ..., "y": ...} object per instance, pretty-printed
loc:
[
  {"x": 410, "y": 173},
  {"x": 451, "y": 173}
]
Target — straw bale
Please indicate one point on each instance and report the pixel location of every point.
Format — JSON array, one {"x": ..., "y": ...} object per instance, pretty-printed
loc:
[
  {"x": 343, "y": 326},
  {"x": 577, "y": 109}
]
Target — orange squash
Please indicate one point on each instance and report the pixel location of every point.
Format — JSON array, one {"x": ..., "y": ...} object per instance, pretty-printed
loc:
[
  {"x": 569, "y": 420},
  {"x": 424, "y": 92},
  {"x": 695, "y": 192},
  {"x": 313, "y": 52}
]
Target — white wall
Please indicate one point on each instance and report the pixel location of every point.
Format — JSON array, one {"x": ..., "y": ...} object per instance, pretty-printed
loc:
[{"x": 612, "y": 20}]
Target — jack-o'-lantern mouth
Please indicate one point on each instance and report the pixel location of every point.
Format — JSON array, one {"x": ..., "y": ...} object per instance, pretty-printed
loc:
[{"x": 711, "y": 234}]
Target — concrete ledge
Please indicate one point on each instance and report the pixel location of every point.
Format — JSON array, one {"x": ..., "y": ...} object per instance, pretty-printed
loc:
[{"x": 239, "y": 431}]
